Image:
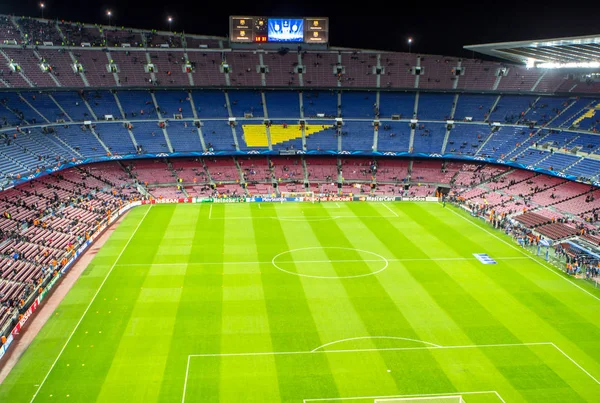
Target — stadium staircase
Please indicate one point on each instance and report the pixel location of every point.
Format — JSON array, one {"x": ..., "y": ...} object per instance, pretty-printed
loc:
[
  {"x": 152, "y": 74},
  {"x": 271, "y": 172},
  {"x": 210, "y": 180},
  {"x": 375, "y": 137},
  {"x": 241, "y": 175},
  {"x": 115, "y": 74},
  {"x": 305, "y": 170},
  {"x": 540, "y": 78},
  {"x": 481, "y": 147},
  {"x": 131, "y": 136},
  {"x": 531, "y": 106},
  {"x": 87, "y": 104},
  {"x": 68, "y": 146},
  {"x": 565, "y": 169},
  {"x": 233, "y": 129},
  {"x": 14, "y": 112},
  {"x": 73, "y": 59},
  {"x": 34, "y": 108},
  {"x": 493, "y": 107},
  {"x": 160, "y": 117},
  {"x": 60, "y": 107},
  {"x": 118, "y": 101},
  {"x": 524, "y": 147},
  {"x": 108, "y": 151},
  {"x": 190, "y": 75},
  {"x": 20, "y": 73},
  {"x": 574, "y": 118},
  {"x": 51, "y": 75}
]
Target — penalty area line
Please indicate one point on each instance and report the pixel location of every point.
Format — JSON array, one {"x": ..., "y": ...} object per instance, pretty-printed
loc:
[
  {"x": 90, "y": 304},
  {"x": 574, "y": 362},
  {"x": 425, "y": 395},
  {"x": 392, "y": 211},
  {"x": 468, "y": 346}
]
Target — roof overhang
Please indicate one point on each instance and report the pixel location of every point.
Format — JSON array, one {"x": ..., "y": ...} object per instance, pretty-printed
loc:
[{"x": 579, "y": 49}]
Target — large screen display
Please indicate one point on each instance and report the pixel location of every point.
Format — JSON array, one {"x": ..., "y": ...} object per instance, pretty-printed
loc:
[
  {"x": 286, "y": 30},
  {"x": 278, "y": 30}
]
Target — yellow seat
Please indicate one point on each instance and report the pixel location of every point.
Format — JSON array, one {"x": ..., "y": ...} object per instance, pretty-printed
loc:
[
  {"x": 256, "y": 135},
  {"x": 589, "y": 114}
]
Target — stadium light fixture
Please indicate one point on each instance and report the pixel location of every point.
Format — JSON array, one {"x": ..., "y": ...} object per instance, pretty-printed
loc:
[
  {"x": 42, "y": 6},
  {"x": 109, "y": 13},
  {"x": 571, "y": 65},
  {"x": 409, "y": 44},
  {"x": 530, "y": 63},
  {"x": 170, "y": 19}
]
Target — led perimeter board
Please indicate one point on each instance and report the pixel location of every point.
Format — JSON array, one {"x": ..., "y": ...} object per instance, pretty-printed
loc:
[{"x": 278, "y": 30}]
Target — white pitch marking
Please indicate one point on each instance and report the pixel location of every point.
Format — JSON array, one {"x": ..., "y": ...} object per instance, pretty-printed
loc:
[
  {"x": 573, "y": 361},
  {"x": 303, "y": 217},
  {"x": 259, "y": 206},
  {"x": 527, "y": 255},
  {"x": 210, "y": 212},
  {"x": 382, "y": 260},
  {"x": 488, "y": 392},
  {"x": 393, "y": 212},
  {"x": 370, "y": 350},
  {"x": 338, "y": 206},
  {"x": 499, "y": 397},
  {"x": 187, "y": 370},
  {"x": 275, "y": 353},
  {"x": 374, "y": 337},
  {"x": 442, "y": 259},
  {"x": 90, "y": 304}
]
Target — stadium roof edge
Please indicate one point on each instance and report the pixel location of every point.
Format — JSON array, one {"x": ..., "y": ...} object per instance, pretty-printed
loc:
[{"x": 584, "y": 48}]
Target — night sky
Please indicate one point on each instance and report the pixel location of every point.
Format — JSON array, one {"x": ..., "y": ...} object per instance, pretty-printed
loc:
[{"x": 434, "y": 29}]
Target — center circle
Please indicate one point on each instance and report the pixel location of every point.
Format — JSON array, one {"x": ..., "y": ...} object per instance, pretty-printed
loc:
[{"x": 349, "y": 262}]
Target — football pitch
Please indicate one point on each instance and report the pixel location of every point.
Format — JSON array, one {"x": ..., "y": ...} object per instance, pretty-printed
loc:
[{"x": 314, "y": 303}]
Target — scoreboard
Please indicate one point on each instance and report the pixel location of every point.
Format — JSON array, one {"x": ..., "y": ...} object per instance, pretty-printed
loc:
[{"x": 278, "y": 30}]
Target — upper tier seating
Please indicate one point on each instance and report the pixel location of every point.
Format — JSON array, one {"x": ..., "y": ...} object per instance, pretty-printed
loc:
[{"x": 126, "y": 123}]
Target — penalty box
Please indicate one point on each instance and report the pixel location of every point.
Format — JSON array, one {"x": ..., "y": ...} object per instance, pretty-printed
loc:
[{"x": 364, "y": 375}]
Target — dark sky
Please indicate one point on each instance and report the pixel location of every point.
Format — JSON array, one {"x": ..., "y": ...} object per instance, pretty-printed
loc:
[{"x": 436, "y": 29}]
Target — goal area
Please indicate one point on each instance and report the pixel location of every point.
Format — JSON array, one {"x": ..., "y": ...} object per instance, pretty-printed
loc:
[
  {"x": 423, "y": 399},
  {"x": 306, "y": 196}
]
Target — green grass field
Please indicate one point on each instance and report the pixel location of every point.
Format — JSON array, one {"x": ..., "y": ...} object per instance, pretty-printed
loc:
[{"x": 313, "y": 303}]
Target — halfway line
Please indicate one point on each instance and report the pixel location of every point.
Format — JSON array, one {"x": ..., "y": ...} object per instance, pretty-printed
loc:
[{"x": 449, "y": 259}]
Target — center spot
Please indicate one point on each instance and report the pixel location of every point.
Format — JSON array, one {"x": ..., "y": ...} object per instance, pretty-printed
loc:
[{"x": 330, "y": 262}]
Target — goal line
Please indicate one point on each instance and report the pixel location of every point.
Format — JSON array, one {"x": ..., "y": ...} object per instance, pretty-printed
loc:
[
  {"x": 423, "y": 399},
  {"x": 450, "y": 397}
]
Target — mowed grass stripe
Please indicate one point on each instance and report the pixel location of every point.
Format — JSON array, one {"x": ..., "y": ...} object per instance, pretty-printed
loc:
[
  {"x": 375, "y": 307},
  {"x": 198, "y": 317},
  {"x": 484, "y": 328},
  {"x": 82, "y": 369},
  {"x": 536, "y": 373},
  {"x": 245, "y": 321},
  {"x": 144, "y": 346},
  {"x": 327, "y": 299},
  {"x": 290, "y": 320},
  {"x": 34, "y": 364},
  {"x": 549, "y": 272},
  {"x": 558, "y": 310},
  {"x": 409, "y": 293},
  {"x": 335, "y": 316}
]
